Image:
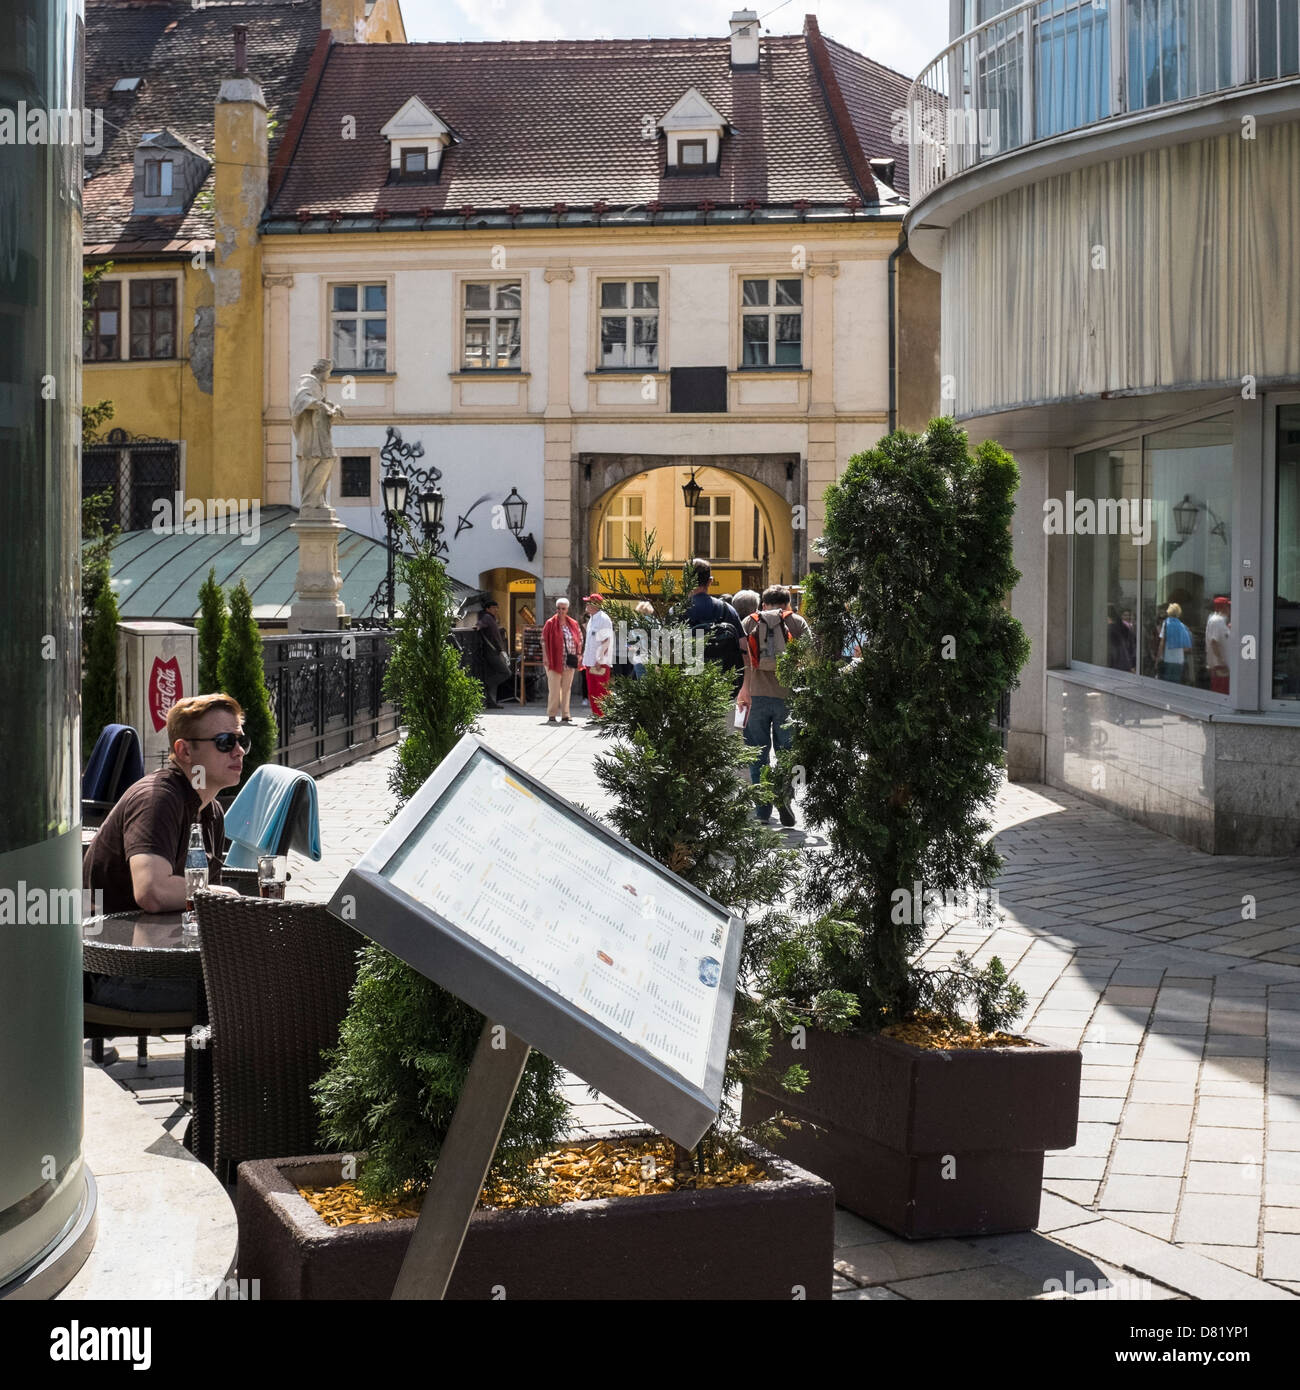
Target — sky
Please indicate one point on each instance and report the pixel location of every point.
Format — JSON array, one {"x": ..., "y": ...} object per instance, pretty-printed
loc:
[{"x": 902, "y": 34}]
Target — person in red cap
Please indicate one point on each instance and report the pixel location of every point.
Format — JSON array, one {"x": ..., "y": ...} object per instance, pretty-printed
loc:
[
  {"x": 598, "y": 654},
  {"x": 1217, "y": 633}
]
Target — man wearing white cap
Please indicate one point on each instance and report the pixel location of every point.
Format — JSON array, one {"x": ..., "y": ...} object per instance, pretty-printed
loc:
[{"x": 598, "y": 654}]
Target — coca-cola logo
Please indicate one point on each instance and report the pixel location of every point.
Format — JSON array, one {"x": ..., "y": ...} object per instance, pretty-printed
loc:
[{"x": 165, "y": 689}]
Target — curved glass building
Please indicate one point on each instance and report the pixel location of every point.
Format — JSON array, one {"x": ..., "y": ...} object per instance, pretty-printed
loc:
[{"x": 46, "y": 1195}]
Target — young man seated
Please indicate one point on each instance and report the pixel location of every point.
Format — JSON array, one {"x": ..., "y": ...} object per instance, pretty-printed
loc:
[{"x": 137, "y": 860}]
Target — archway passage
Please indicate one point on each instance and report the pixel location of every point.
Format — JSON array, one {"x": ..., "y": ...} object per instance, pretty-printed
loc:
[
  {"x": 745, "y": 521},
  {"x": 516, "y": 592}
]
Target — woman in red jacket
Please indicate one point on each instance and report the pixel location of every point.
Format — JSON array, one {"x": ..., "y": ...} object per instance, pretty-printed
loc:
[{"x": 561, "y": 648}]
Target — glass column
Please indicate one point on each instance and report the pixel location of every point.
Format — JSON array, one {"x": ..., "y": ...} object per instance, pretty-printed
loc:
[{"x": 43, "y": 1183}]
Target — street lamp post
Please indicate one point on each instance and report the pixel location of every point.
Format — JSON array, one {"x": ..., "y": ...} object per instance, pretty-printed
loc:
[{"x": 406, "y": 488}]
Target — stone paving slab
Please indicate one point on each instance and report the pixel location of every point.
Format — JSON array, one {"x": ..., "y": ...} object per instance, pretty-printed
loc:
[{"x": 1134, "y": 945}]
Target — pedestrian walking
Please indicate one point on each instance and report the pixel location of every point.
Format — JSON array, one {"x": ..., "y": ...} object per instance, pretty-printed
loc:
[
  {"x": 767, "y": 724},
  {"x": 1172, "y": 647},
  {"x": 496, "y": 662},
  {"x": 646, "y": 610},
  {"x": 717, "y": 622},
  {"x": 598, "y": 653},
  {"x": 561, "y": 645}
]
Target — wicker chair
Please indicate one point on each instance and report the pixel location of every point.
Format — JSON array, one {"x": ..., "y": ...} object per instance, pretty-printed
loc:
[{"x": 278, "y": 976}]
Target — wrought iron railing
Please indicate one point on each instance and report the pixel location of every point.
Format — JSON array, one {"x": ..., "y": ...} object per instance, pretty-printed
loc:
[
  {"x": 327, "y": 695},
  {"x": 1043, "y": 68}
]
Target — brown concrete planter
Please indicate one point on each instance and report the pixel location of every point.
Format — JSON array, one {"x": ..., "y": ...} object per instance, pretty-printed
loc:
[
  {"x": 928, "y": 1143},
  {"x": 770, "y": 1240}
]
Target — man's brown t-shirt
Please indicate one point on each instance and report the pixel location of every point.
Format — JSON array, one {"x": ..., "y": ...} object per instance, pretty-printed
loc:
[{"x": 153, "y": 817}]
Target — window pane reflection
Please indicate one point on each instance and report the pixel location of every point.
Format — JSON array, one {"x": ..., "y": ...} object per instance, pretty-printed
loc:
[{"x": 1286, "y": 597}]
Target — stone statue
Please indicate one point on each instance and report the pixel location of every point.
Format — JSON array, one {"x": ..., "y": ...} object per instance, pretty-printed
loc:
[{"x": 313, "y": 415}]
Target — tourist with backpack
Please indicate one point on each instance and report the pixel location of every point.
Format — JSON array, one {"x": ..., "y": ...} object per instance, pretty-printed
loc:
[
  {"x": 717, "y": 622},
  {"x": 766, "y": 701}
]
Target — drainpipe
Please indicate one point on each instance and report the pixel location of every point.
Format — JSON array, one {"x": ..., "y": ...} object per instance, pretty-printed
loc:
[{"x": 893, "y": 329}]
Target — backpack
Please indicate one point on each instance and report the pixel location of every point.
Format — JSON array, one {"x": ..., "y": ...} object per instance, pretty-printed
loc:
[
  {"x": 722, "y": 646},
  {"x": 764, "y": 649}
]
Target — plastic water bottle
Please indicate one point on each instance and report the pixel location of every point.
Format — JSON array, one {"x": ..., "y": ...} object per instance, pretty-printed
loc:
[{"x": 196, "y": 866}]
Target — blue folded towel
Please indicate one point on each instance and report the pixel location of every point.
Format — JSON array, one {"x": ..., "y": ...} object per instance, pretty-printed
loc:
[{"x": 255, "y": 821}]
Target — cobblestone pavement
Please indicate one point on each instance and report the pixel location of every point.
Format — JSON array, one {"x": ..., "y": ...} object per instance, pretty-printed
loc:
[{"x": 1178, "y": 974}]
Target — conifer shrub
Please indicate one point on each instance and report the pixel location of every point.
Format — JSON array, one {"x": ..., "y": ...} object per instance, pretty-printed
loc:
[
  {"x": 681, "y": 794},
  {"x": 898, "y": 747},
  {"x": 406, "y": 1044},
  {"x": 99, "y": 672},
  {"x": 212, "y": 628},
  {"x": 99, "y": 620},
  {"x": 240, "y": 673}
]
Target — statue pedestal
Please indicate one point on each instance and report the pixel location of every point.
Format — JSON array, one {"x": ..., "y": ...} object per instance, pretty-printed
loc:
[{"x": 317, "y": 604}]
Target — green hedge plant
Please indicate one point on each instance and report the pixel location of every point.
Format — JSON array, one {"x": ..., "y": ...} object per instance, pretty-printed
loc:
[
  {"x": 406, "y": 1044},
  {"x": 898, "y": 748}
]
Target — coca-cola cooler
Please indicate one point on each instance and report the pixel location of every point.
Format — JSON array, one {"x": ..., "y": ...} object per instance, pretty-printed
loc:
[{"x": 157, "y": 664}]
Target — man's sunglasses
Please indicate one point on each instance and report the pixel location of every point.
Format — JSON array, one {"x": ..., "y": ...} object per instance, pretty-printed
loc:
[{"x": 226, "y": 742}]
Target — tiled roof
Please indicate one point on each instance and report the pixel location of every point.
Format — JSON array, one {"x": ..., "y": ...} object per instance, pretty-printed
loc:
[
  {"x": 183, "y": 53},
  {"x": 872, "y": 93},
  {"x": 546, "y": 122}
]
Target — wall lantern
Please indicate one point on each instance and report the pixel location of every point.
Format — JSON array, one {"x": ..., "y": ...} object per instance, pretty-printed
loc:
[
  {"x": 1186, "y": 515},
  {"x": 516, "y": 509},
  {"x": 691, "y": 493}
]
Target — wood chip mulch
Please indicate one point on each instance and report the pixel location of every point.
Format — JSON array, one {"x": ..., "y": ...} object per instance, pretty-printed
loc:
[
  {"x": 936, "y": 1034},
  {"x": 580, "y": 1172}
]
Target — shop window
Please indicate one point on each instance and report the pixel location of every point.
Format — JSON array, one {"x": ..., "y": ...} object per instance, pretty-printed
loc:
[
  {"x": 1286, "y": 570},
  {"x": 1152, "y": 547}
]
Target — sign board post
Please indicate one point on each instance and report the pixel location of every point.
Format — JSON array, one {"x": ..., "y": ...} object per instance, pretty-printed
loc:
[
  {"x": 567, "y": 939},
  {"x": 463, "y": 1164}
]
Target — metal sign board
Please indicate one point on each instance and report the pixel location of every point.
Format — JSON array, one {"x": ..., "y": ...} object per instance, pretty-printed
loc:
[{"x": 551, "y": 925}]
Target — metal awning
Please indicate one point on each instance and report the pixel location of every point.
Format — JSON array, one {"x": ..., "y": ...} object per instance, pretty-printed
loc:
[{"x": 158, "y": 574}]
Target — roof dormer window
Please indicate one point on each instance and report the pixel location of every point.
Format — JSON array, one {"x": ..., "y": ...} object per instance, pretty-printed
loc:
[
  {"x": 157, "y": 178},
  {"x": 416, "y": 141},
  {"x": 169, "y": 171},
  {"x": 693, "y": 130}
]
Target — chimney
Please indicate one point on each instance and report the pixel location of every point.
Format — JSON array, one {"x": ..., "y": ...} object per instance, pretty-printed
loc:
[
  {"x": 239, "y": 141},
  {"x": 744, "y": 39},
  {"x": 345, "y": 19}
]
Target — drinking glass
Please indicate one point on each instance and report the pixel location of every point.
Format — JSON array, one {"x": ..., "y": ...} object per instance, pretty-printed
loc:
[{"x": 269, "y": 885}]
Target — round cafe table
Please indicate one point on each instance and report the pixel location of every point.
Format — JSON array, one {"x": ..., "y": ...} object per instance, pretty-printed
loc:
[{"x": 153, "y": 945}]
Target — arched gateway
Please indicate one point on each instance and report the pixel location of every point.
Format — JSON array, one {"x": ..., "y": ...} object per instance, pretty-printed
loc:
[{"x": 599, "y": 474}]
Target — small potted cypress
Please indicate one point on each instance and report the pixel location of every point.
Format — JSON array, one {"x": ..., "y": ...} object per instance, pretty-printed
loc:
[
  {"x": 928, "y": 1118},
  {"x": 406, "y": 1045}
]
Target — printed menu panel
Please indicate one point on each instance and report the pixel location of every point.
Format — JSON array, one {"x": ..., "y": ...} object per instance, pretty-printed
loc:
[{"x": 541, "y": 888}]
